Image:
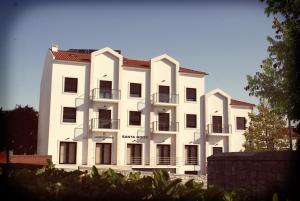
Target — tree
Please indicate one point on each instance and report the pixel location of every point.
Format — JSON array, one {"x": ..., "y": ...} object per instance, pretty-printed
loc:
[
  {"x": 265, "y": 131},
  {"x": 19, "y": 129},
  {"x": 278, "y": 83}
]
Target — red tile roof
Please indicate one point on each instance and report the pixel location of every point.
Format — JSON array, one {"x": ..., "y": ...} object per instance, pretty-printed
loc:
[
  {"x": 86, "y": 57},
  {"x": 287, "y": 133},
  {"x": 188, "y": 70},
  {"x": 241, "y": 103},
  {"x": 72, "y": 56}
]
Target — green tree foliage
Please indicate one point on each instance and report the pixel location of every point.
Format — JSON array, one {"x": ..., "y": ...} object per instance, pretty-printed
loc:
[
  {"x": 278, "y": 83},
  {"x": 265, "y": 131},
  {"x": 19, "y": 129},
  {"x": 49, "y": 183}
]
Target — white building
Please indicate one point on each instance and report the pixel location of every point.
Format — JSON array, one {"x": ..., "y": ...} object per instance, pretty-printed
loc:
[{"x": 99, "y": 108}]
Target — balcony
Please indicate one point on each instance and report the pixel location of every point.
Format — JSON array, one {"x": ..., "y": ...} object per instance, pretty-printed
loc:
[
  {"x": 164, "y": 127},
  {"x": 135, "y": 161},
  {"x": 166, "y": 161},
  {"x": 218, "y": 130},
  {"x": 103, "y": 95},
  {"x": 191, "y": 160},
  {"x": 161, "y": 99},
  {"x": 105, "y": 125}
]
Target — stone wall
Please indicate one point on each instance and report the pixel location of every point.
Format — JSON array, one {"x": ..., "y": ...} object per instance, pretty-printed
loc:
[{"x": 260, "y": 174}]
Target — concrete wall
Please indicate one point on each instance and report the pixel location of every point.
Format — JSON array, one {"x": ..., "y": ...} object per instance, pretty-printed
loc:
[{"x": 259, "y": 173}]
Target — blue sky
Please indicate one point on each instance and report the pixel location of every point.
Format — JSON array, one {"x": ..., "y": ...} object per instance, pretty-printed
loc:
[{"x": 227, "y": 40}]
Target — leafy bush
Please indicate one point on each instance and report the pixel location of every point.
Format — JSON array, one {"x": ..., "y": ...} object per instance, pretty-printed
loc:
[{"x": 49, "y": 183}]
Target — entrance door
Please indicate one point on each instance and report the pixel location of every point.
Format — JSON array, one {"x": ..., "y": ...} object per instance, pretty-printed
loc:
[
  {"x": 217, "y": 150},
  {"x": 163, "y": 154},
  {"x": 134, "y": 154},
  {"x": 103, "y": 153},
  {"x": 217, "y": 124},
  {"x": 164, "y": 94},
  {"x": 164, "y": 121},
  {"x": 104, "y": 118},
  {"x": 105, "y": 89}
]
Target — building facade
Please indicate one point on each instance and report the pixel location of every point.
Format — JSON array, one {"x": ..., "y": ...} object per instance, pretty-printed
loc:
[{"x": 100, "y": 108}]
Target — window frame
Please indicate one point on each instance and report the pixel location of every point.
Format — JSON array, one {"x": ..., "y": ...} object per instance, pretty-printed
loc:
[
  {"x": 135, "y": 83},
  {"x": 186, "y": 121},
  {"x": 186, "y": 94},
  {"x": 63, "y": 115},
  {"x": 244, "y": 126},
  {"x": 67, "y": 153},
  {"x": 64, "y": 85},
  {"x": 140, "y": 118}
]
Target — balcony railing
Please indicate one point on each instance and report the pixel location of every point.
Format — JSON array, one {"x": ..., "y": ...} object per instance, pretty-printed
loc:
[
  {"x": 165, "y": 98},
  {"x": 191, "y": 160},
  {"x": 166, "y": 161},
  {"x": 113, "y": 94},
  {"x": 210, "y": 128},
  {"x": 97, "y": 123},
  {"x": 135, "y": 161},
  {"x": 163, "y": 126}
]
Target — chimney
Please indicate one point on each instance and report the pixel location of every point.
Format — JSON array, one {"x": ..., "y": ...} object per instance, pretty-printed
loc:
[
  {"x": 119, "y": 51},
  {"x": 54, "y": 47}
]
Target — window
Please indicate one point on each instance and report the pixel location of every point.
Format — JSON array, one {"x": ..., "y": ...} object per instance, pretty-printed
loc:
[
  {"x": 190, "y": 94},
  {"x": 103, "y": 153},
  {"x": 134, "y": 154},
  {"x": 163, "y": 154},
  {"x": 217, "y": 150},
  {"x": 135, "y": 90},
  {"x": 135, "y": 118},
  {"x": 191, "y": 155},
  {"x": 67, "y": 153},
  {"x": 70, "y": 85},
  {"x": 240, "y": 123},
  {"x": 69, "y": 114},
  {"x": 191, "y": 121}
]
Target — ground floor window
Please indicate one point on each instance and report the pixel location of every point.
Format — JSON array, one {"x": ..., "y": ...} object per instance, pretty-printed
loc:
[
  {"x": 134, "y": 154},
  {"x": 103, "y": 153},
  {"x": 191, "y": 154},
  {"x": 217, "y": 150},
  {"x": 67, "y": 152},
  {"x": 163, "y": 154}
]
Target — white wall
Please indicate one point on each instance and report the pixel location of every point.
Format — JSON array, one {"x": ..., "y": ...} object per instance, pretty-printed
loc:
[
  {"x": 44, "y": 106},
  {"x": 237, "y": 138},
  {"x": 59, "y": 130}
]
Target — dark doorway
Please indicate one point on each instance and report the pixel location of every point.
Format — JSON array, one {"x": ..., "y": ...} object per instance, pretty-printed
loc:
[
  {"x": 163, "y": 154},
  {"x": 217, "y": 124},
  {"x": 105, "y": 89},
  {"x": 164, "y": 94},
  {"x": 103, "y": 153},
  {"x": 217, "y": 150},
  {"x": 104, "y": 118},
  {"x": 164, "y": 121}
]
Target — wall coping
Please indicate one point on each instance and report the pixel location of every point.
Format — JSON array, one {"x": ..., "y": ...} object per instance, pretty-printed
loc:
[{"x": 256, "y": 156}]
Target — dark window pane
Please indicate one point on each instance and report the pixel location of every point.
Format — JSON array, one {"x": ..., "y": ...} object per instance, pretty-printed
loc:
[
  {"x": 191, "y": 121},
  {"x": 135, "y": 90},
  {"x": 240, "y": 123},
  {"x": 70, "y": 85},
  {"x": 69, "y": 114},
  {"x": 134, "y": 118},
  {"x": 67, "y": 152},
  {"x": 190, "y": 94}
]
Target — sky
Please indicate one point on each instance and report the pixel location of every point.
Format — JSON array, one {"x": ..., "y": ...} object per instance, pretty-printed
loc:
[{"x": 227, "y": 39}]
